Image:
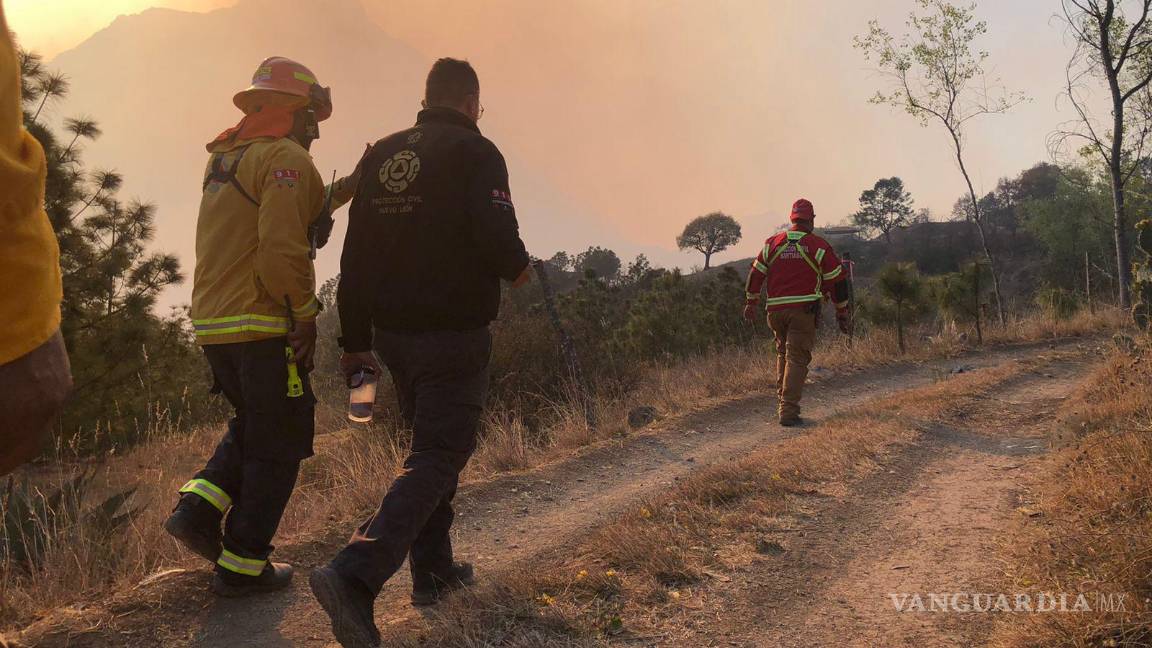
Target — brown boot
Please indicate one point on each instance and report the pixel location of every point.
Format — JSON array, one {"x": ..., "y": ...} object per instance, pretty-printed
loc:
[
  {"x": 349, "y": 604},
  {"x": 790, "y": 420},
  {"x": 276, "y": 576}
]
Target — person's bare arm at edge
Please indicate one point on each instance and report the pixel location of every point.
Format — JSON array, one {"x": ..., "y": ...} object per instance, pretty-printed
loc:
[{"x": 33, "y": 388}]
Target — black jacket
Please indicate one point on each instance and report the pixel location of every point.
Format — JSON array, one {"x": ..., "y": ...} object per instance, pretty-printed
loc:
[{"x": 431, "y": 232}]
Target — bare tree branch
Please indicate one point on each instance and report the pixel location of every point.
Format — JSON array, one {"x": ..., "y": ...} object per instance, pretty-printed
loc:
[{"x": 937, "y": 76}]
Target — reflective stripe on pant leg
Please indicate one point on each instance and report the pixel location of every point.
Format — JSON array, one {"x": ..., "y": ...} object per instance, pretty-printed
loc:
[
  {"x": 255, "y": 516},
  {"x": 240, "y": 564},
  {"x": 210, "y": 492}
]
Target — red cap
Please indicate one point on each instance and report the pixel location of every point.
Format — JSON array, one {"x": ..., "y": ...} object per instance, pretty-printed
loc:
[{"x": 802, "y": 210}]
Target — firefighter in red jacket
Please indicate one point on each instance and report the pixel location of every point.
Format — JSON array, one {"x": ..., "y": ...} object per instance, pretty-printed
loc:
[{"x": 800, "y": 268}]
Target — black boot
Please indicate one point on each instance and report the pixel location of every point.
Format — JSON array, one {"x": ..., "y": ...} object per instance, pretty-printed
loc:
[
  {"x": 349, "y": 606},
  {"x": 196, "y": 524},
  {"x": 229, "y": 584},
  {"x": 428, "y": 589}
]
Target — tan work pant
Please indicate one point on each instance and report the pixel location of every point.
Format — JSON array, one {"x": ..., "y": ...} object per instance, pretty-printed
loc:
[{"x": 795, "y": 330}]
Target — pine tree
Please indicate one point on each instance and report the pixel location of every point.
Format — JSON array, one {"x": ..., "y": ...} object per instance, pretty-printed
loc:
[
  {"x": 902, "y": 286},
  {"x": 128, "y": 363}
]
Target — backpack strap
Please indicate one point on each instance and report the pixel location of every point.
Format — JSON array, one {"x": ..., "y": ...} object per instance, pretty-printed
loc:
[
  {"x": 218, "y": 173},
  {"x": 793, "y": 241}
]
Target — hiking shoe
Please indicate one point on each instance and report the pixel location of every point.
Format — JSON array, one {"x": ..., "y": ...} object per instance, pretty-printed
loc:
[
  {"x": 349, "y": 605},
  {"x": 438, "y": 586},
  {"x": 195, "y": 523},
  {"x": 790, "y": 421},
  {"x": 276, "y": 576}
]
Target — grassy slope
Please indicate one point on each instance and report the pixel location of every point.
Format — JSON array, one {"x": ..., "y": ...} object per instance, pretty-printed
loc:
[{"x": 1095, "y": 534}]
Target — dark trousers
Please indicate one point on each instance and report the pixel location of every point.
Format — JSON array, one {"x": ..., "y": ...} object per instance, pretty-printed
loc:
[
  {"x": 257, "y": 461},
  {"x": 441, "y": 381}
]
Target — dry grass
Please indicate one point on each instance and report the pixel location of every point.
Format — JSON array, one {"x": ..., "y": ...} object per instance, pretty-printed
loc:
[
  {"x": 680, "y": 387},
  {"x": 631, "y": 576},
  {"x": 79, "y": 562},
  {"x": 353, "y": 466},
  {"x": 1039, "y": 326},
  {"x": 1097, "y": 504}
]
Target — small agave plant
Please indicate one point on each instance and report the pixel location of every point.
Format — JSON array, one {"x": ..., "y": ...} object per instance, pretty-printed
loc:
[{"x": 32, "y": 520}]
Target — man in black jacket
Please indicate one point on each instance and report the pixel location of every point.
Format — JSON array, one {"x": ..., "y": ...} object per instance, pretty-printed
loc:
[{"x": 431, "y": 232}]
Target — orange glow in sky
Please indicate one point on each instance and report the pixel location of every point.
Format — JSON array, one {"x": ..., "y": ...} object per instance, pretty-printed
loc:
[{"x": 52, "y": 26}]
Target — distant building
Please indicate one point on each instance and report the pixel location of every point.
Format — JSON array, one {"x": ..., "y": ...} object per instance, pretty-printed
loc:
[{"x": 838, "y": 230}]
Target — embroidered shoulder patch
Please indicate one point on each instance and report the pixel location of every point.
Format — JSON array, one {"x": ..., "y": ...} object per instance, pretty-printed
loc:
[
  {"x": 502, "y": 199},
  {"x": 286, "y": 175}
]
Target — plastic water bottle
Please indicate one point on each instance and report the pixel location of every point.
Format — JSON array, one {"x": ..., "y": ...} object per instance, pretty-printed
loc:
[{"x": 363, "y": 395}]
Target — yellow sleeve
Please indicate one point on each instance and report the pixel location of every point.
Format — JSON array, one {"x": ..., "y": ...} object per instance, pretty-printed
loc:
[
  {"x": 291, "y": 196},
  {"x": 29, "y": 255},
  {"x": 343, "y": 190}
]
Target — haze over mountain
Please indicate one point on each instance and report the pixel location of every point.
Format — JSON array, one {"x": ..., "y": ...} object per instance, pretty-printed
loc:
[
  {"x": 161, "y": 83},
  {"x": 621, "y": 120}
]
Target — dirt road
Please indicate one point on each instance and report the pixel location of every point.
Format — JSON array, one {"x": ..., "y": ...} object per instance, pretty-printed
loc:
[
  {"x": 929, "y": 521},
  {"x": 925, "y": 525}
]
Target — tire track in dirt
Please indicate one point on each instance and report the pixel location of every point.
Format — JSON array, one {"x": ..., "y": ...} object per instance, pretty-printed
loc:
[
  {"x": 930, "y": 521},
  {"x": 505, "y": 521}
]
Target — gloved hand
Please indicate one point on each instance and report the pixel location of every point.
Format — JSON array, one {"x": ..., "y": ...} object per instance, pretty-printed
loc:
[
  {"x": 844, "y": 320},
  {"x": 750, "y": 312},
  {"x": 321, "y": 230},
  {"x": 303, "y": 341}
]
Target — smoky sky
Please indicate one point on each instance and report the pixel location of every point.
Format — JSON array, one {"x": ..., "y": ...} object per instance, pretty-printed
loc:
[{"x": 624, "y": 119}]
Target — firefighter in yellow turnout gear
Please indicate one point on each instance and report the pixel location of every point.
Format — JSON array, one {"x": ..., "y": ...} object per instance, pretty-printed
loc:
[
  {"x": 34, "y": 372},
  {"x": 254, "y": 309}
]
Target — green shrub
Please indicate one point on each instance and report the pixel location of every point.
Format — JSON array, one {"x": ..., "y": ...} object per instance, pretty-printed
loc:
[
  {"x": 902, "y": 294},
  {"x": 1058, "y": 303}
]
